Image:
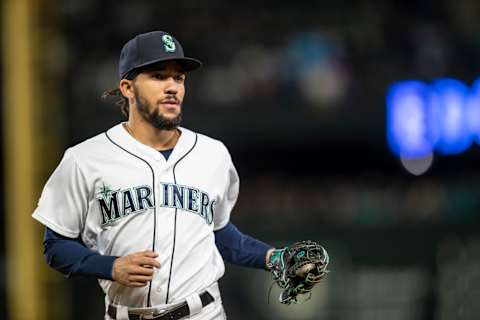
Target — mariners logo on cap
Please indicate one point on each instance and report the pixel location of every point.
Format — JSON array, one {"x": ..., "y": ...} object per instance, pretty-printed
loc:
[{"x": 168, "y": 43}]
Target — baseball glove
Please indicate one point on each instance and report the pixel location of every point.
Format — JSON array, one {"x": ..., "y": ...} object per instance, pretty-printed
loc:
[{"x": 298, "y": 268}]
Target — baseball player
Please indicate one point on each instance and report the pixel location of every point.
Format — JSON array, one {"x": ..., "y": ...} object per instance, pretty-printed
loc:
[{"x": 145, "y": 206}]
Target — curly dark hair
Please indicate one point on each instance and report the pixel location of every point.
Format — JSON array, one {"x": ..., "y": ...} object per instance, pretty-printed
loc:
[{"x": 122, "y": 101}]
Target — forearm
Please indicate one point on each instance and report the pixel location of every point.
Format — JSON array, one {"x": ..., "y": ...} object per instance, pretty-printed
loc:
[
  {"x": 70, "y": 257},
  {"x": 240, "y": 249}
]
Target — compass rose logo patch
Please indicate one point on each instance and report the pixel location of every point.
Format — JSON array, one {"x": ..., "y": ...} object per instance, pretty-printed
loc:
[{"x": 168, "y": 43}]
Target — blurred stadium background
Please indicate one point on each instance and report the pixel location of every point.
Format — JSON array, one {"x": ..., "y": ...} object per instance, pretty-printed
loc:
[{"x": 297, "y": 91}]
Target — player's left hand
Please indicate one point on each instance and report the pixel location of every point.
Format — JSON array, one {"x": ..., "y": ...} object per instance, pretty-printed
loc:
[{"x": 298, "y": 268}]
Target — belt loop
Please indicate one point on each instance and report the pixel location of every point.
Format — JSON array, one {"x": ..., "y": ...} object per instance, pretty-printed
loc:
[
  {"x": 122, "y": 313},
  {"x": 194, "y": 304}
]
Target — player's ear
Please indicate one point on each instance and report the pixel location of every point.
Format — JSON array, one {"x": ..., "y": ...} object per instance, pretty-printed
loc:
[{"x": 126, "y": 88}]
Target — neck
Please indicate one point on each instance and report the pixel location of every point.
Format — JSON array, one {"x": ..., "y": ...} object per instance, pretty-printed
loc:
[{"x": 149, "y": 135}]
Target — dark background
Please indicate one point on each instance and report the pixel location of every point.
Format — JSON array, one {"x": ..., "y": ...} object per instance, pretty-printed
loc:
[{"x": 296, "y": 90}]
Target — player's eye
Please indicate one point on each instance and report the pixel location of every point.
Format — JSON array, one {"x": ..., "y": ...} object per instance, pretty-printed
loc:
[
  {"x": 160, "y": 76},
  {"x": 179, "y": 78}
]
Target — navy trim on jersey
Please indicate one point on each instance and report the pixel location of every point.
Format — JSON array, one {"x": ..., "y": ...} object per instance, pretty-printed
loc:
[
  {"x": 175, "y": 220},
  {"x": 70, "y": 257},
  {"x": 149, "y": 302},
  {"x": 240, "y": 249}
]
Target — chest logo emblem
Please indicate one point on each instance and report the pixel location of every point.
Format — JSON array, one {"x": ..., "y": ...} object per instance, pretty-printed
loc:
[{"x": 116, "y": 203}]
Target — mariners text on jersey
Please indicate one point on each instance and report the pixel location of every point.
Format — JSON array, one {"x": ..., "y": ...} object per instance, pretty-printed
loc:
[{"x": 116, "y": 204}]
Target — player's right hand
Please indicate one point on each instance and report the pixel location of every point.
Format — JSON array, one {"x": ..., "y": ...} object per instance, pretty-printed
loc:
[{"x": 136, "y": 269}]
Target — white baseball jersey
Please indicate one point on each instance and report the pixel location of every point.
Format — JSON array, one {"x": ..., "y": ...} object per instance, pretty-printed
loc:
[{"x": 122, "y": 196}]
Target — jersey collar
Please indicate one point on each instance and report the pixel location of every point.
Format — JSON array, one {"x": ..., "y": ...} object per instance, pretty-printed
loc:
[{"x": 121, "y": 137}]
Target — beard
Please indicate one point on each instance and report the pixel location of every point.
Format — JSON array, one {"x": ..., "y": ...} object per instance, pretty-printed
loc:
[{"x": 155, "y": 118}]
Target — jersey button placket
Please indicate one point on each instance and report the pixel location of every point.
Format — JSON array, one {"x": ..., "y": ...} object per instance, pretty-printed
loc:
[
  {"x": 159, "y": 282},
  {"x": 166, "y": 178},
  {"x": 156, "y": 283}
]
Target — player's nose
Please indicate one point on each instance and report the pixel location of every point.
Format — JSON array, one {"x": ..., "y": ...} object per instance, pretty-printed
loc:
[{"x": 171, "y": 86}]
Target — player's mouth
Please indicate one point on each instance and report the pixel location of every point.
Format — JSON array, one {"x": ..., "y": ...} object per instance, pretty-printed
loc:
[{"x": 171, "y": 102}]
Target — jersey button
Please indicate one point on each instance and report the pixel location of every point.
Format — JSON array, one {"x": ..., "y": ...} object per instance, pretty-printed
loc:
[{"x": 159, "y": 289}]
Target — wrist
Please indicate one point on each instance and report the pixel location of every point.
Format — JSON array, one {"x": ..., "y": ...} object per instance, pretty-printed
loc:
[
  {"x": 113, "y": 272},
  {"x": 267, "y": 258}
]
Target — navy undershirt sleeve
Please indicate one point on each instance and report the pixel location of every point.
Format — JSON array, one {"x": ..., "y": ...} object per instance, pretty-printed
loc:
[
  {"x": 236, "y": 247},
  {"x": 71, "y": 257},
  {"x": 240, "y": 249}
]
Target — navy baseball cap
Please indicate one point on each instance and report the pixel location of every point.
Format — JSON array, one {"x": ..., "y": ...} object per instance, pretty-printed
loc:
[{"x": 152, "y": 47}]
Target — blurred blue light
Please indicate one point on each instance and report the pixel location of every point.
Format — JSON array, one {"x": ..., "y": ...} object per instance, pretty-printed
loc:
[
  {"x": 473, "y": 111},
  {"x": 443, "y": 117},
  {"x": 407, "y": 125},
  {"x": 447, "y": 116}
]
